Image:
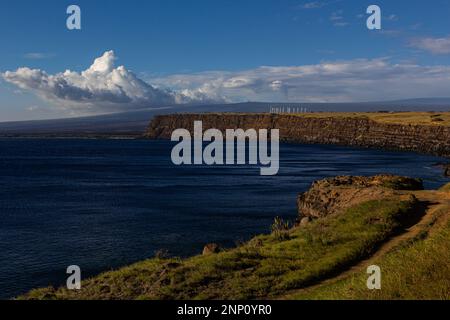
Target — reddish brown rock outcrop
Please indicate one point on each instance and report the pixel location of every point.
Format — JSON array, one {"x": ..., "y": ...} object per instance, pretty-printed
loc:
[{"x": 333, "y": 195}]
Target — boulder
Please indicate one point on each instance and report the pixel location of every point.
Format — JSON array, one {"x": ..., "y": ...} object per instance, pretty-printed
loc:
[
  {"x": 211, "y": 248},
  {"x": 305, "y": 221}
]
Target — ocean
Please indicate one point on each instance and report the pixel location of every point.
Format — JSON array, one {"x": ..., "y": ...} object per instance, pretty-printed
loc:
[{"x": 102, "y": 204}]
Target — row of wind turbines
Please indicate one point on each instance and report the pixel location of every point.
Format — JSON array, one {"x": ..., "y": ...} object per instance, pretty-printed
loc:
[{"x": 292, "y": 110}]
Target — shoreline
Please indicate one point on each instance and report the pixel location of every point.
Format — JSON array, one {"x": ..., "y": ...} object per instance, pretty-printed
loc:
[
  {"x": 394, "y": 195},
  {"x": 338, "y": 129},
  {"x": 125, "y": 138},
  {"x": 406, "y": 131}
]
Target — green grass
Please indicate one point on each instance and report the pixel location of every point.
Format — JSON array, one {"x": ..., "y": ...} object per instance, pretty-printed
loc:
[
  {"x": 265, "y": 267},
  {"x": 402, "y": 183},
  {"x": 418, "y": 270},
  {"x": 402, "y": 118}
]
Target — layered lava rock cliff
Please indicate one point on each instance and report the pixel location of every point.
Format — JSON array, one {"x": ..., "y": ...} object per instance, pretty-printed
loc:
[{"x": 348, "y": 131}]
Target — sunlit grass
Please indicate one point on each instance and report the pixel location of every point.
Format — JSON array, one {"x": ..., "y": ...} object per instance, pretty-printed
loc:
[
  {"x": 417, "y": 270},
  {"x": 404, "y": 118},
  {"x": 265, "y": 267}
]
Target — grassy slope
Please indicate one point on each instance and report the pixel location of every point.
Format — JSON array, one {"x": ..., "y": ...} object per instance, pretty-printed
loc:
[
  {"x": 265, "y": 267},
  {"x": 419, "y": 269}
]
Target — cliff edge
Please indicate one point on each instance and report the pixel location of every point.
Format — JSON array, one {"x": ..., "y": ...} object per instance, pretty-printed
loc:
[
  {"x": 334, "y": 195},
  {"x": 338, "y": 129}
]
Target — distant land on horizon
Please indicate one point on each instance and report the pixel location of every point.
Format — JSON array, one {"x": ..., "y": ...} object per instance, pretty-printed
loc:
[{"x": 135, "y": 122}]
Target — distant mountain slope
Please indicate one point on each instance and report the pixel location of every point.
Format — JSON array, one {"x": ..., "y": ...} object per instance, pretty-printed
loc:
[{"x": 134, "y": 123}]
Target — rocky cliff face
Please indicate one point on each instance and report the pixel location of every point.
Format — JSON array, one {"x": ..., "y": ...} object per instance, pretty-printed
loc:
[
  {"x": 357, "y": 132},
  {"x": 334, "y": 195}
]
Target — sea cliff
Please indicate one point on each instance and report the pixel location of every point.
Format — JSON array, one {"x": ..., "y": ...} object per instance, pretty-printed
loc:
[{"x": 357, "y": 131}]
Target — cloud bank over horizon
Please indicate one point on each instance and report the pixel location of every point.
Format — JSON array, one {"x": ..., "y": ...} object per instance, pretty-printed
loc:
[
  {"x": 104, "y": 88},
  {"x": 358, "y": 80}
]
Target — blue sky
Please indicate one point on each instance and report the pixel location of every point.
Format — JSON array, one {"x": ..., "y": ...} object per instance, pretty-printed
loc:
[{"x": 207, "y": 51}]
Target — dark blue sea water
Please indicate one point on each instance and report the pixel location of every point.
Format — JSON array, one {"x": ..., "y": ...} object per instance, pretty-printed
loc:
[{"x": 102, "y": 204}]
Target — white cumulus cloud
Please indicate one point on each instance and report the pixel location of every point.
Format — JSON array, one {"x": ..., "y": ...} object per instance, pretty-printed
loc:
[
  {"x": 105, "y": 88},
  {"x": 101, "y": 88}
]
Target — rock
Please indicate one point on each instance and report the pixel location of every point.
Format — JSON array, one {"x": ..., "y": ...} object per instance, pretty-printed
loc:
[
  {"x": 305, "y": 221},
  {"x": 333, "y": 195},
  {"x": 211, "y": 248},
  {"x": 255, "y": 243}
]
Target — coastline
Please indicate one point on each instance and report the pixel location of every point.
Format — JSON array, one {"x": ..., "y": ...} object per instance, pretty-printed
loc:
[
  {"x": 357, "y": 130},
  {"x": 158, "y": 130},
  {"x": 302, "y": 261}
]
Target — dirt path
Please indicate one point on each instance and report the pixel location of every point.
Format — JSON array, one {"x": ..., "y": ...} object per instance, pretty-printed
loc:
[{"x": 437, "y": 212}]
